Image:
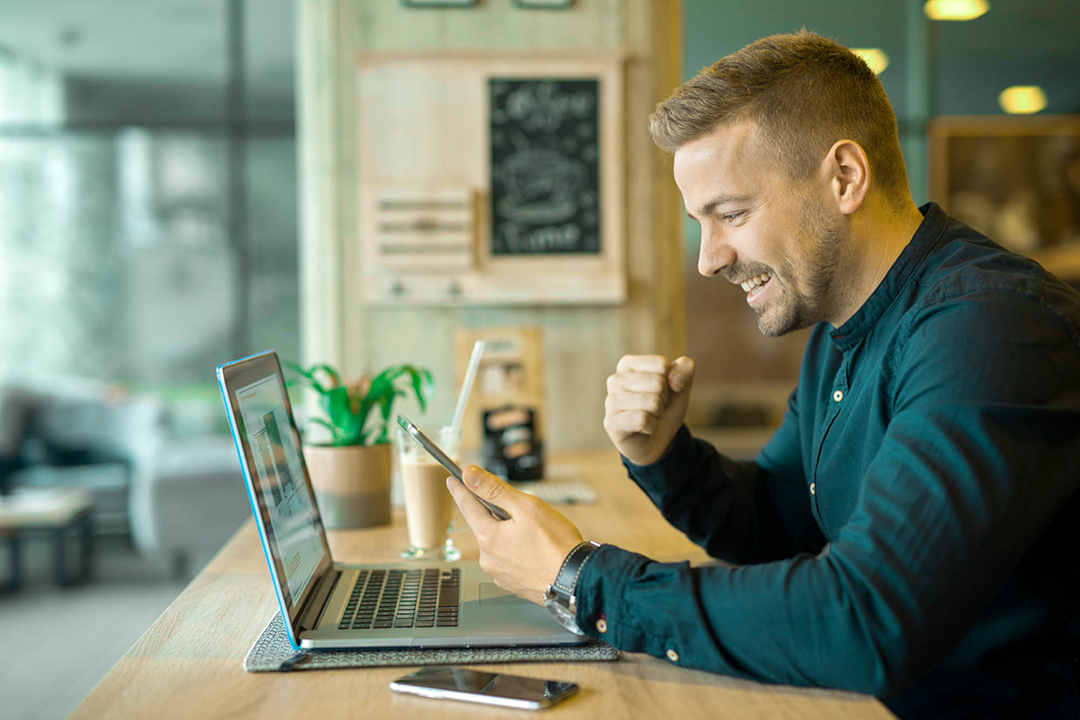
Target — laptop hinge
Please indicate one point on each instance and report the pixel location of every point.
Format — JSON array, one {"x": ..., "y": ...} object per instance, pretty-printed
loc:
[{"x": 316, "y": 604}]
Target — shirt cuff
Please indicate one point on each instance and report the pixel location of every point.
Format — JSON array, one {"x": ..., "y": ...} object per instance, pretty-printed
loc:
[
  {"x": 672, "y": 471},
  {"x": 682, "y": 439},
  {"x": 599, "y": 593}
]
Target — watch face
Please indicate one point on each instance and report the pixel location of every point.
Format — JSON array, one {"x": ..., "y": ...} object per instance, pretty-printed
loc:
[{"x": 561, "y": 613}]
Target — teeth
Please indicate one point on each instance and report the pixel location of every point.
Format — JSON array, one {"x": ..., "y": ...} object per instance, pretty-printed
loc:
[{"x": 756, "y": 281}]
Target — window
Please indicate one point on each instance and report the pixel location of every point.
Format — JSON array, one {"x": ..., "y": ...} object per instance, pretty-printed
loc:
[{"x": 148, "y": 201}]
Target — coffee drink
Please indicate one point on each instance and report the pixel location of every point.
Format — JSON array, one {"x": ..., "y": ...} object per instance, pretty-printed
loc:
[{"x": 428, "y": 503}]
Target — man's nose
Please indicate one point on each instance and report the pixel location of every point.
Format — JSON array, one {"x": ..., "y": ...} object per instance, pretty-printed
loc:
[{"x": 714, "y": 256}]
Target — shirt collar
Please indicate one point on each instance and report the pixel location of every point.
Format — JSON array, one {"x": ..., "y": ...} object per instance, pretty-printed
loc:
[{"x": 864, "y": 319}]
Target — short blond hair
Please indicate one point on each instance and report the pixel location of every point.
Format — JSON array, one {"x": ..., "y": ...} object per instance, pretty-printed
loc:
[{"x": 802, "y": 92}]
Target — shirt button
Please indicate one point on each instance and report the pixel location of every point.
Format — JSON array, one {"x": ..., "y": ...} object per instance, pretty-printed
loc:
[
  {"x": 813, "y": 488},
  {"x": 601, "y": 625},
  {"x": 672, "y": 656},
  {"x": 838, "y": 396}
]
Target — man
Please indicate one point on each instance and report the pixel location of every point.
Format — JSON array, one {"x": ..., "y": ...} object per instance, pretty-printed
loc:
[{"x": 909, "y": 530}]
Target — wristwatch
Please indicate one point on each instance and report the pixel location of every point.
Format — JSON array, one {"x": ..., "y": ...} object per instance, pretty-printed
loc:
[{"x": 560, "y": 598}]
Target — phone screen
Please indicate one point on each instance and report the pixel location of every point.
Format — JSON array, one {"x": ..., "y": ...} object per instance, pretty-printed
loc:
[
  {"x": 443, "y": 459},
  {"x": 491, "y": 688}
]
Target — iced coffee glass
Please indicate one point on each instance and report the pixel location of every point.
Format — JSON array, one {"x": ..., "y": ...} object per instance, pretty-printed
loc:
[{"x": 428, "y": 504}]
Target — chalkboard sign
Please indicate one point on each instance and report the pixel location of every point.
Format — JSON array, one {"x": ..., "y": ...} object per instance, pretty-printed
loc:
[{"x": 545, "y": 160}]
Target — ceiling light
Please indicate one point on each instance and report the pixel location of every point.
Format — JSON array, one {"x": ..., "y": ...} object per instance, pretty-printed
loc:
[
  {"x": 955, "y": 9},
  {"x": 1022, "y": 99},
  {"x": 874, "y": 57}
]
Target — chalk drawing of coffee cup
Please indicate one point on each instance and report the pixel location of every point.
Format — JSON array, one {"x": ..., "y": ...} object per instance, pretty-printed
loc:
[{"x": 540, "y": 186}]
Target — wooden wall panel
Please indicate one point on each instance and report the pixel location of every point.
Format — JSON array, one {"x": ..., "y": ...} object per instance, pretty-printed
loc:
[{"x": 582, "y": 344}]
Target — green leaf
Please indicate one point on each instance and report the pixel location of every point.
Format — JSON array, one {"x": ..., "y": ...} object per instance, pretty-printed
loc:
[
  {"x": 386, "y": 377},
  {"x": 335, "y": 379},
  {"x": 386, "y": 405},
  {"x": 307, "y": 377},
  {"x": 421, "y": 381},
  {"x": 381, "y": 393},
  {"x": 349, "y": 428},
  {"x": 336, "y": 404},
  {"x": 335, "y": 435}
]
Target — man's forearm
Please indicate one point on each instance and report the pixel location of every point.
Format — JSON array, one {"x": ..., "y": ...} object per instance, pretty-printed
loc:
[
  {"x": 721, "y": 505},
  {"x": 771, "y": 622}
]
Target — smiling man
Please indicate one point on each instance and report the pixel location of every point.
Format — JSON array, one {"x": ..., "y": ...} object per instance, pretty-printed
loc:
[
  {"x": 780, "y": 242},
  {"x": 909, "y": 530}
]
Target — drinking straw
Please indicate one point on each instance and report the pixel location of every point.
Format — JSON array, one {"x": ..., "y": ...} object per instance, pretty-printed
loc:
[{"x": 466, "y": 384}]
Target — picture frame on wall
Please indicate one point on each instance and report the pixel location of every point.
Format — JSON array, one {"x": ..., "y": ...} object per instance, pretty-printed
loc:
[
  {"x": 1015, "y": 179},
  {"x": 545, "y": 166}
]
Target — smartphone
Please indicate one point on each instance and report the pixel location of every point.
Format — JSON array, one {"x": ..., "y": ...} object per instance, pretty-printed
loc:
[
  {"x": 453, "y": 683},
  {"x": 443, "y": 459}
]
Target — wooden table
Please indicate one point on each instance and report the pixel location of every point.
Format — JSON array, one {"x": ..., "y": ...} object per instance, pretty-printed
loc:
[{"x": 188, "y": 665}]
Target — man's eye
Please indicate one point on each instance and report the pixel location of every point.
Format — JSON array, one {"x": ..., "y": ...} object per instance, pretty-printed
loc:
[{"x": 732, "y": 217}]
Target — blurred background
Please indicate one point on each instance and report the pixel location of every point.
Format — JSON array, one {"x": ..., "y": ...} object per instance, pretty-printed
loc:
[
  {"x": 184, "y": 182},
  {"x": 148, "y": 232}
]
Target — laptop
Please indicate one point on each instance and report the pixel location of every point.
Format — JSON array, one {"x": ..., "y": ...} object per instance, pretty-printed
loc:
[{"x": 330, "y": 605}]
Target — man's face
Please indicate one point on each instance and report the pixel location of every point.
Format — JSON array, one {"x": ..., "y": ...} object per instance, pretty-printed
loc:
[{"x": 760, "y": 229}]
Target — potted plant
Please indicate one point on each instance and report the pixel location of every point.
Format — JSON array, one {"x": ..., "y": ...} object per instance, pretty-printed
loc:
[{"x": 351, "y": 471}]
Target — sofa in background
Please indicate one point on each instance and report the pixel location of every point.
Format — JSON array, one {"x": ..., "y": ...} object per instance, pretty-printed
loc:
[{"x": 178, "y": 497}]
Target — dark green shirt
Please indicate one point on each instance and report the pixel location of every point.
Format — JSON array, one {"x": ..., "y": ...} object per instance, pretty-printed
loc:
[{"x": 908, "y": 531}]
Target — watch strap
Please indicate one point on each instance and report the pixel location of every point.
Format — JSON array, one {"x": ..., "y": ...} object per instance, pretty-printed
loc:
[{"x": 566, "y": 580}]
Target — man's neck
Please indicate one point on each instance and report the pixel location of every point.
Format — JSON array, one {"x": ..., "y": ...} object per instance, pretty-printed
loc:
[{"x": 879, "y": 233}]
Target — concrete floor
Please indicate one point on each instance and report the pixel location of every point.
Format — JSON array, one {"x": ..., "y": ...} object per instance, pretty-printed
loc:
[{"x": 57, "y": 643}]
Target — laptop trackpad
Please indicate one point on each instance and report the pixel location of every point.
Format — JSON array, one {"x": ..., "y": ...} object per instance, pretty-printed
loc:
[{"x": 492, "y": 594}]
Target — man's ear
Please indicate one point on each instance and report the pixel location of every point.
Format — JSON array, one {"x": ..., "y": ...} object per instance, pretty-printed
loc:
[{"x": 847, "y": 170}]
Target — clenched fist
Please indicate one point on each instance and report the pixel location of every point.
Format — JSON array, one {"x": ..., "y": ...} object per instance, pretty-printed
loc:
[{"x": 646, "y": 405}]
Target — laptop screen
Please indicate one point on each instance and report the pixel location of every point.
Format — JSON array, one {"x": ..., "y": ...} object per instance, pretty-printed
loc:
[{"x": 276, "y": 474}]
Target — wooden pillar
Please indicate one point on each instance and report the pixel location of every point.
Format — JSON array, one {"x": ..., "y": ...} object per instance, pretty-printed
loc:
[
  {"x": 667, "y": 61},
  {"x": 320, "y": 249}
]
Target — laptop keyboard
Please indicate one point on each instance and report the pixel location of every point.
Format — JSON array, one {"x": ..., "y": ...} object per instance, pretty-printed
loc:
[{"x": 398, "y": 599}]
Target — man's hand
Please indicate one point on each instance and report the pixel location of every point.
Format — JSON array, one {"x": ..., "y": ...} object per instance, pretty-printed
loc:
[
  {"x": 646, "y": 405},
  {"x": 524, "y": 553}
]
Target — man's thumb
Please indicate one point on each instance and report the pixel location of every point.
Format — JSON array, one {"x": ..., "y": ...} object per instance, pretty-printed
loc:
[
  {"x": 681, "y": 374},
  {"x": 483, "y": 483}
]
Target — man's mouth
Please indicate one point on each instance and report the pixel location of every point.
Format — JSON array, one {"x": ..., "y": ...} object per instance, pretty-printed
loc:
[{"x": 753, "y": 286}]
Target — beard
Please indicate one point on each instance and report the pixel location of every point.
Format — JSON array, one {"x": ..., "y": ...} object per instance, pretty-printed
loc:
[{"x": 815, "y": 262}]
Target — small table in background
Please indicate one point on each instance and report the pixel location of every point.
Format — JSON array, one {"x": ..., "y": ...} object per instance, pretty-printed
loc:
[{"x": 63, "y": 513}]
